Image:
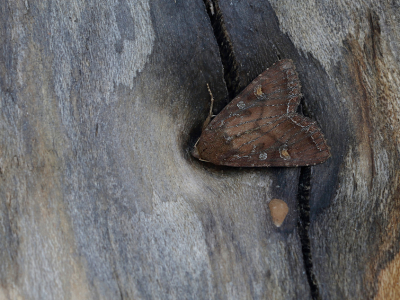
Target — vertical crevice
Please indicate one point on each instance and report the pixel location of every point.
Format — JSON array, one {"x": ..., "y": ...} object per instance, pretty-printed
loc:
[
  {"x": 227, "y": 55},
  {"x": 231, "y": 76},
  {"x": 303, "y": 198}
]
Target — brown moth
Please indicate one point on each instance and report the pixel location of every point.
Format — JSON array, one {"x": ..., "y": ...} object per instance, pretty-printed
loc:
[{"x": 261, "y": 128}]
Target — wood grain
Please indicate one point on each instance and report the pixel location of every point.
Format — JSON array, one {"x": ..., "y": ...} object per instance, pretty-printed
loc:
[{"x": 101, "y": 103}]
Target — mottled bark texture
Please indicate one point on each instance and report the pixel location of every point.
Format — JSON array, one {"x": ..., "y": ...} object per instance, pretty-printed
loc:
[{"x": 101, "y": 103}]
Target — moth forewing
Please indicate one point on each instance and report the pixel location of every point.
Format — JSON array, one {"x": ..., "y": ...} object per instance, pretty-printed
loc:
[{"x": 260, "y": 127}]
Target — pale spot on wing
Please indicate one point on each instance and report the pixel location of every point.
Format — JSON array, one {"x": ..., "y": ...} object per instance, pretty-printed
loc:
[
  {"x": 258, "y": 90},
  {"x": 283, "y": 151},
  {"x": 241, "y": 105},
  {"x": 263, "y": 156}
]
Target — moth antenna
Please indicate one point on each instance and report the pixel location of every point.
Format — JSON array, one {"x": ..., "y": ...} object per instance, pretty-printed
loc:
[{"x": 207, "y": 121}]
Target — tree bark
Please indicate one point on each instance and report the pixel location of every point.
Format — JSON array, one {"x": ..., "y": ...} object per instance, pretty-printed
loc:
[{"x": 101, "y": 103}]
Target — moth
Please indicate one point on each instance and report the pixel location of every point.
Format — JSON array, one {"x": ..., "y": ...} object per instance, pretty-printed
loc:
[{"x": 261, "y": 128}]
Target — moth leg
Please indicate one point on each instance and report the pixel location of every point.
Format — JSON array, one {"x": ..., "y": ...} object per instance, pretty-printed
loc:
[{"x": 210, "y": 115}]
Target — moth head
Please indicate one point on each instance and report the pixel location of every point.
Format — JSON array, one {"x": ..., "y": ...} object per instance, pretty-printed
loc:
[{"x": 195, "y": 151}]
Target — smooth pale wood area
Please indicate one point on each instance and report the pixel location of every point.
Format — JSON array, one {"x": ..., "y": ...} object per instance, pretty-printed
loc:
[{"x": 101, "y": 103}]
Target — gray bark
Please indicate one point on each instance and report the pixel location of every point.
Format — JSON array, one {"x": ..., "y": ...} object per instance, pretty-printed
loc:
[{"x": 101, "y": 102}]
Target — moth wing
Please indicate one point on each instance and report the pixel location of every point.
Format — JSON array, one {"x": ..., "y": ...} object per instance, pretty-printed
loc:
[
  {"x": 287, "y": 141},
  {"x": 263, "y": 104},
  {"x": 290, "y": 141},
  {"x": 273, "y": 93},
  {"x": 261, "y": 128}
]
